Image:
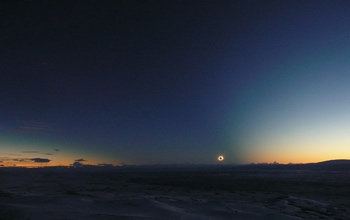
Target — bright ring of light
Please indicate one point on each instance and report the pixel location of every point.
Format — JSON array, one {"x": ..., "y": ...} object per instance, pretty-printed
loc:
[{"x": 220, "y": 158}]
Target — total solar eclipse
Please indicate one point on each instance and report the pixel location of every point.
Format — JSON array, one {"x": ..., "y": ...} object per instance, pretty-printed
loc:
[{"x": 220, "y": 158}]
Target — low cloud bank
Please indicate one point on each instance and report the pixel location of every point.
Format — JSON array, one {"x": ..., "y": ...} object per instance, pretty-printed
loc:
[{"x": 40, "y": 160}]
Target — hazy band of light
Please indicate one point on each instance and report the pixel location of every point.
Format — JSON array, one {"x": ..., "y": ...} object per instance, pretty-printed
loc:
[
  {"x": 15, "y": 147},
  {"x": 301, "y": 113}
]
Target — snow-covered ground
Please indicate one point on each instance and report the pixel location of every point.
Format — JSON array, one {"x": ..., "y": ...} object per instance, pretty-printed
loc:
[{"x": 44, "y": 194}]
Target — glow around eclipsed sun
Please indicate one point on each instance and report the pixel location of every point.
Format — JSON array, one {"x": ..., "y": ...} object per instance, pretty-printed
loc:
[{"x": 220, "y": 158}]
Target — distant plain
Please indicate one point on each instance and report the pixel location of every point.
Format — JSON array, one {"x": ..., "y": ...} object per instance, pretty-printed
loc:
[{"x": 194, "y": 192}]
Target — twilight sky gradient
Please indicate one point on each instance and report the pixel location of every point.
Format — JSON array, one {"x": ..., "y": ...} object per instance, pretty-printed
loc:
[{"x": 153, "y": 82}]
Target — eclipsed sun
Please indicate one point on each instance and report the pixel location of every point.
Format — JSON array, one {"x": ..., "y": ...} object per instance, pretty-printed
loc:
[{"x": 220, "y": 158}]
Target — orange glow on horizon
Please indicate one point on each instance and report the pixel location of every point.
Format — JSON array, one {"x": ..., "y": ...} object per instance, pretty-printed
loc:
[{"x": 285, "y": 156}]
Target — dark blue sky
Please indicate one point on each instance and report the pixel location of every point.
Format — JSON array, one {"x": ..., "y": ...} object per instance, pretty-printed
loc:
[{"x": 148, "y": 82}]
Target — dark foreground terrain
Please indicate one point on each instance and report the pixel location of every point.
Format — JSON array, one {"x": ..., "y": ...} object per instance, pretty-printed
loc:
[{"x": 206, "y": 192}]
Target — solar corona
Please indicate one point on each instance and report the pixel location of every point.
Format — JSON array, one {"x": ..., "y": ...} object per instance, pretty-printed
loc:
[{"x": 220, "y": 158}]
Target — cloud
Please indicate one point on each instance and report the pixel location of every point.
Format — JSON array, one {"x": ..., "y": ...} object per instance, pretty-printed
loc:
[
  {"x": 40, "y": 160},
  {"x": 35, "y": 152},
  {"x": 80, "y": 160},
  {"x": 13, "y": 154},
  {"x": 105, "y": 165},
  {"x": 21, "y": 160},
  {"x": 47, "y": 153},
  {"x": 77, "y": 164},
  {"x": 35, "y": 127},
  {"x": 30, "y": 151},
  {"x": 4, "y": 158}
]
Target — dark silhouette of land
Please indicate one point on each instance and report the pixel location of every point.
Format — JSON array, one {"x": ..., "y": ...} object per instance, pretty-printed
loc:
[{"x": 254, "y": 191}]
